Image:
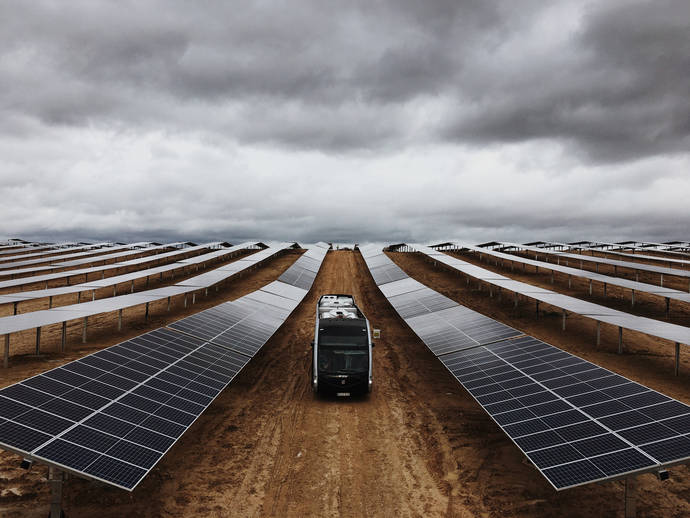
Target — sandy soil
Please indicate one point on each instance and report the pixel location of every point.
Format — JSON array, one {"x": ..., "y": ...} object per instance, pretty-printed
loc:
[{"x": 417, "y": 446}]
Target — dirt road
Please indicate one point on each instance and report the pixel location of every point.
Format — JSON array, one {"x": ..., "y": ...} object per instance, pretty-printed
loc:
[{"x": 417, "y": 446}]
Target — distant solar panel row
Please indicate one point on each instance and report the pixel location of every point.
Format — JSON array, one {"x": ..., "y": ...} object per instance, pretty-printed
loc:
[
  {"x": 112, "y": 415},
  {"x": 442, "y": 323},
  {"x": 303, "y": 272},
  {"x": 577, "y": 422},
  {"x": 650, "y": 326}
]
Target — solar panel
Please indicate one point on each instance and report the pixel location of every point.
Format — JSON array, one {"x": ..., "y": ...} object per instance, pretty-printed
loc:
[
  {"x": 387, "y": 273},
  {"x": 577, "y": 422},
  {"x": 112, "y": 415},
  {"x": 117, "y": 439},
  {"x": 650, "y": 326}
]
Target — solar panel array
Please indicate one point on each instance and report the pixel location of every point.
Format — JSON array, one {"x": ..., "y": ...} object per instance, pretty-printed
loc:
[
  {"x": 113, "y": 415},
  {"x": 584, "y": 274},
  {"x": 53, "y": 252},
  {"x": 605, "y": 248},
  {"x": 128, "y": 277},
  {"x": 601, "y": 260},
  {"x": 577, "y": 422},
  {"x": 657, "y": 328},
  {"x": 35, "y": 319},
  {"x": 443, "y": 324},
  {"x": 92, "y": 256}
]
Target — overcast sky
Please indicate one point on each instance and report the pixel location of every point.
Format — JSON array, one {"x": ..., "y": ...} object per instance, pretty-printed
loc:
[{"x": 392, "y": 120}]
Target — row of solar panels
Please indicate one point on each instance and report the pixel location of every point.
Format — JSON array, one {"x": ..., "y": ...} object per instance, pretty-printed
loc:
[
  {"x": 577, "y": 258},
  {"x": 91, "y": 285},
  {"x": 650, "y": 326},
  {"x": 113, "y": 415},
  {"x": 140, "y": 261},
  {"x": 583, "y": 274},
  {"x": 57, "y": 252},
  {"x": 10, "y": 270},
  {"x": 596, "y": 247},
  {"x": 35, "y": 319},
  {"x": 577, "y": 422},
  {"x": 15, "y": 247}
]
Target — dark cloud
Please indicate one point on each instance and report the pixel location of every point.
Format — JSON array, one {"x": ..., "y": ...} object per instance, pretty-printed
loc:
[
  {"x": 618, "y": 90},
  {"x": 359, "y": 121}
]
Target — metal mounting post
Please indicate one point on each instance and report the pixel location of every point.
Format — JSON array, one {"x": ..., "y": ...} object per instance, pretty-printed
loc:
[
  {"x": 598, "y": 333},
  {"x": 630, "y": 500},
  {"x": 38, "y": 340},
  {"x": 632, "y": 299},
  {"x": 146, "y": 314},
  {"x": 83, "y": 331},
  {"x": 132, "y": 288},
  {"x": 590, "y": 286},
  {"x": 668, "y": 308},
  {"x": 64, "y": 337},
  {"x": 620, "y": 340},
  {"x": 185, "y": 300},
  {"x": 119, "y": 319},
  {"x": 564, "y": 317},
  {"x": 50, "y": 302},
  {"x": 677, "y": 357},
  {"x": 6, "y": 356},
  {"x": 15, "y": 307},
  {"x": 55, "y": 479},
  {"x": 168, "y": 303},
  {"x": 93, "y": 295}
]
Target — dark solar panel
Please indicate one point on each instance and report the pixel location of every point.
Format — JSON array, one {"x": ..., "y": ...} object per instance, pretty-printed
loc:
[
  {"x": 577, "y": 422},
  {"x": 113, "y": 414}
]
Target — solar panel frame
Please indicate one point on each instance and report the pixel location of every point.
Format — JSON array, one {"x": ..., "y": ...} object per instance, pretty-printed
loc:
[
  {"x": 534, "y": 391},
  {"x": 115, "y": 413}
]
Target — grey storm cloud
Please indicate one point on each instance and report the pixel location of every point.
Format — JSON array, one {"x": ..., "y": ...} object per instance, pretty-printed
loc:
[
  {"x": 338, "y": 76},
  {"x": 349, "y": 121}
]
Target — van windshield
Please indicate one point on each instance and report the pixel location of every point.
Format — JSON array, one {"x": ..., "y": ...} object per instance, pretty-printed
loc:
[{"x": 343, "y": 361}]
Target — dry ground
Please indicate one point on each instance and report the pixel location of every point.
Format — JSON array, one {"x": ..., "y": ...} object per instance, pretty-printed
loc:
[{"x": 417, "y": 446}]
